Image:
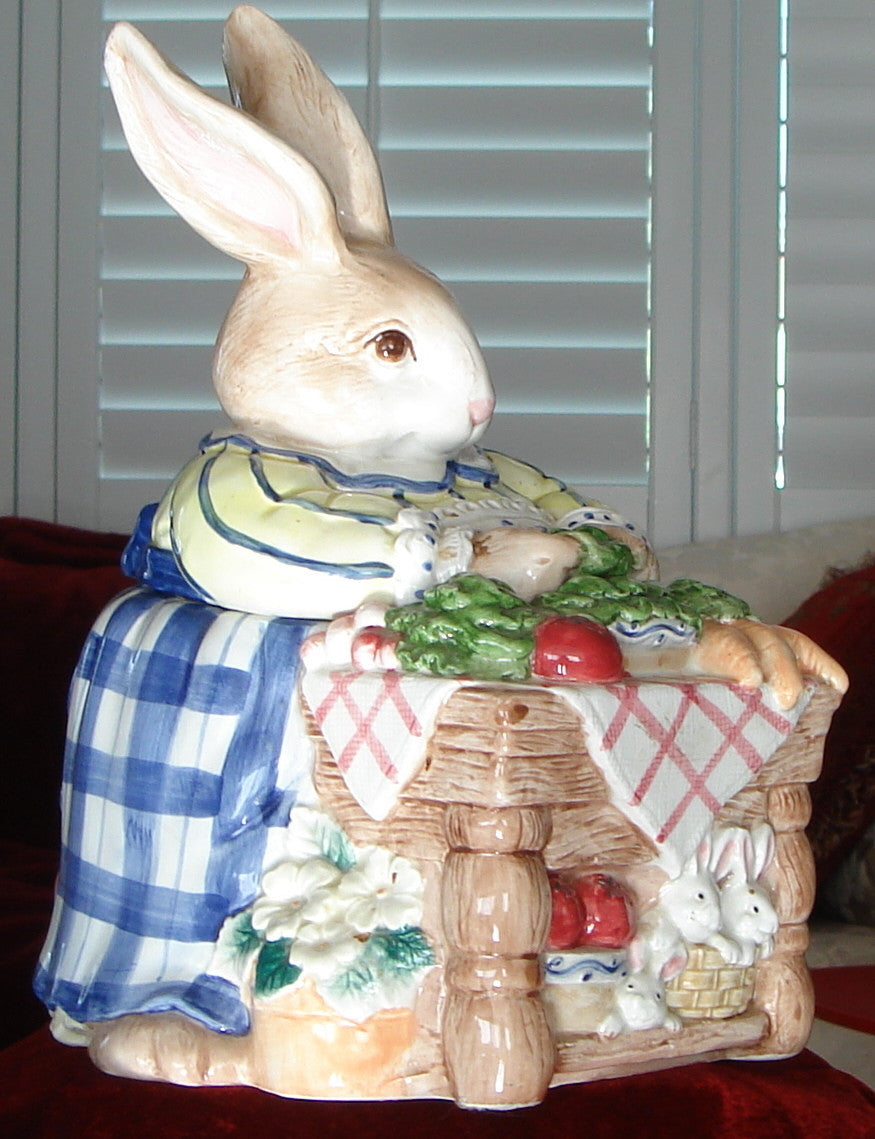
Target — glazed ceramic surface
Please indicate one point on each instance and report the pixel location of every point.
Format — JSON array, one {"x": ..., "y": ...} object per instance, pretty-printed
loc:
[{"x": 399, "y": 774}]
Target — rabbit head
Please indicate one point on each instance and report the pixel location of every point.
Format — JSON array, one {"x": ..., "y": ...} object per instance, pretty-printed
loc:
[
  {"x": 691, "y": 900},
  {"x": 641, "y": 1003},
  {"x": 746, "y": 911},
  {"x": 336, "y": 344}
]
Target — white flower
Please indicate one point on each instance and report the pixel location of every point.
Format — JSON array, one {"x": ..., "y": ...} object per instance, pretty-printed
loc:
[
  {"x": 323, "y": 948},
  {"x": 382, "y": 890},
  {"x": 294, "y": 893}
]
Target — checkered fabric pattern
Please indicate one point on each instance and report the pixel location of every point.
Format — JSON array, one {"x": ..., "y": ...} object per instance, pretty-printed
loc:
[
  {"x": 185, "y": 752},
  {"x": 673, "y": 753},
  {"x": 376, "y": 725}
]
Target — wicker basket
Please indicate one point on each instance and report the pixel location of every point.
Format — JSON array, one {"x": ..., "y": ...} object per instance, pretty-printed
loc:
[{"x": 708, "y": 988}]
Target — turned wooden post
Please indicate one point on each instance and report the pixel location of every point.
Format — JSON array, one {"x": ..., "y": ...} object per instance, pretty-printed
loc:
[
  {"x": 498, "y": 1047},
  {"x": 783, "y": 985}
]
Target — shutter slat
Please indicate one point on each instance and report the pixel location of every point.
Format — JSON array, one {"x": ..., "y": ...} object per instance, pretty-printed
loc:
[
  {"x": 581, "y": 449},
  {"x": 835, "y": 250},
  {"x": 529, "y": 52},
  {"x": 547, "y": 249},
  {"x": 830, "y": 392},
  {"x": 515, "y": 118},
  {"x": 549, "y": 315},
  {"x": 572, "y": 184},
  {"x": 830, "y": 452},
  {"x": 601, "y": 380},
  {"x": 832, "y": 383}
]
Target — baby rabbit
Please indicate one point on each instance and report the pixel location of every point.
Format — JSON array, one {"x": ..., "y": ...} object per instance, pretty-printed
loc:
[
  {"x": 639, "y": 1003},
  {"x": 747, "y": 915}
]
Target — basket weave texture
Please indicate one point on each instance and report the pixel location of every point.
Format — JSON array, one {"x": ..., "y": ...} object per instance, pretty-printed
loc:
[{"x": 709, "y": 988}]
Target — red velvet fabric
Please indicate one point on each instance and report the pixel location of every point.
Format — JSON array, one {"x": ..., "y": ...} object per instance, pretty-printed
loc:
[
  {"x": 845, "y": 994},
  {"x": 48, "y": 1091},
  {"x": 841, "y": 619},
  {"x": 54, "y": 580}
]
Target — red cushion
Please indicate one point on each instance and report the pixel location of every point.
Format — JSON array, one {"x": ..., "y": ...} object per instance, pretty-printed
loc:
[
  {"x": 841, "y": 619},
  {"x": 27, "y": 880},
  {"x": 54, "y": 580},
  {"x": 845, "y": 994},
  {"x": 48, "y": 1090}
]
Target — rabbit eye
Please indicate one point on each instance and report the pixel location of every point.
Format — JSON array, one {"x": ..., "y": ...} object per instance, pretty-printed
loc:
[
  {"x": 756, "y": 909},
  {"x": 393, "y": 345}
]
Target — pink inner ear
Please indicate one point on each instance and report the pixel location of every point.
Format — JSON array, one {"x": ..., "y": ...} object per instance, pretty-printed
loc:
[
  {"x": 217, "y": 172},
  {"x": 726, "y": 859},
  {"x": 673, "y": 967}
]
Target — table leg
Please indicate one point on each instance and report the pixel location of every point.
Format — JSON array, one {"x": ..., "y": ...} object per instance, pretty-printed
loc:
[{"x": 498, "y": 1048}]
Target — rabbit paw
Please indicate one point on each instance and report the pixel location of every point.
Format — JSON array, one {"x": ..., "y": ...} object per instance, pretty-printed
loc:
[
  {"x": 612, "y": 1025},
  {"x": 354, "y": 640},
  {"x": 733, "y": 952}
]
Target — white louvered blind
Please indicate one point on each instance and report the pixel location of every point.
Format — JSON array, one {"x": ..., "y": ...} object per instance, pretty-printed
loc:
[
  {"x": 514, "y": 139},
  {"x": 829, "y": 434}
]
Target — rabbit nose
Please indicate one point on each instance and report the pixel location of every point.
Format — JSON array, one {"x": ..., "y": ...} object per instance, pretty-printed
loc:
[{"x": 479, "y": 410}]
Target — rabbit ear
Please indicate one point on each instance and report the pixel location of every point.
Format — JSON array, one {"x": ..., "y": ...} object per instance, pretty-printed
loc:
[
  {"x": 729, "y": 855},
  {"x": 701, "y": 861},
  {"x": 242, "y": 189},
  {"x": 273, "y": 78},
  {"x": 763, "y": 848}
]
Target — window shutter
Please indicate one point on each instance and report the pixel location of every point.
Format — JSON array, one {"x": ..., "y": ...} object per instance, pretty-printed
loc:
[
  {"x": 829, "y": 430},
  {"x": 514, "y": 139}
]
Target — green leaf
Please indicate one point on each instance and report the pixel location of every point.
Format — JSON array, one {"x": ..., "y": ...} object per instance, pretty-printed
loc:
[
  {"x": 244, "y": 938},
  {"x": 334, "y": 845},
  {"x": 273, "y": 970},
  {"x": 358, "y": 978},
  {"x": 400, "y": 950}
]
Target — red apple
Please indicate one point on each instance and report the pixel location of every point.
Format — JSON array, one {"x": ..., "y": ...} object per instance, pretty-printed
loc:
[
  {"x": 606, "y": 907},
  {"x": 575, "y": 648},
  {"x": 566, "y": 925}
]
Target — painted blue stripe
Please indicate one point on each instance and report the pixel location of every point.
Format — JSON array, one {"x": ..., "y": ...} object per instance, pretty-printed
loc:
[
  {"x": 212, "y": 1000},
  {"x": 155, "y": 567},
  {"x": 258, "y": 473},
  {"x": 163, "y": 678},
  {"x": 251, "y": 800},
  {"x": 139, "y": 907},
  {"x": 368, "y": 481},
  {"x": 354, "y": 570},
  {"x": 144, "y": 784}
]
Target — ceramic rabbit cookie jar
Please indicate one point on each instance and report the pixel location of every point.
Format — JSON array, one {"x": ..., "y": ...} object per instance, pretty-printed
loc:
[{"x": 376, "y": 678}]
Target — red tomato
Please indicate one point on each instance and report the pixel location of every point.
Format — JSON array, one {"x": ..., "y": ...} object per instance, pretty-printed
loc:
[
  {"x": 607, "y": 911},
  {"x": 575, "y": 648},
  {"x": 566, "y": 925}
]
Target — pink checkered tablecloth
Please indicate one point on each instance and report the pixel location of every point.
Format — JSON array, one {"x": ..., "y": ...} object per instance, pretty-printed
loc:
[{"x": 672, "y": 752}]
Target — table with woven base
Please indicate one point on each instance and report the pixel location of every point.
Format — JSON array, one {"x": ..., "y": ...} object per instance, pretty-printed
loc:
[{"x": 508, "y": 791}]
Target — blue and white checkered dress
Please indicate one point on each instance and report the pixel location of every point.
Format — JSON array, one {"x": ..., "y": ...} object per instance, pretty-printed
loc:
[{"x": 184, "y": 750}]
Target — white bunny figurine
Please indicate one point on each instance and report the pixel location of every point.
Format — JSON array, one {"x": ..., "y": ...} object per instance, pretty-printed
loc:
[
  {"x": 747, "y": 915},
  {"x": 639, "y": 1003},
  {"x": 690, "y": 908}
]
